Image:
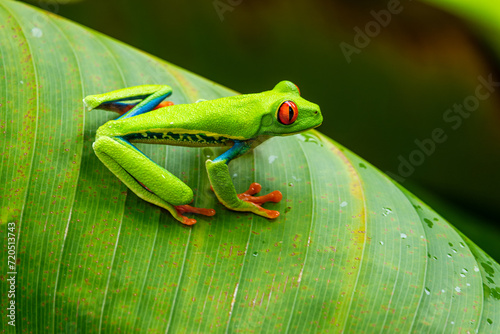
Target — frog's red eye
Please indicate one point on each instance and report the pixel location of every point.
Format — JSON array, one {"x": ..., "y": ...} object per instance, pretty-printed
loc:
[
  {"x": 297, "y": 88},
  {"x": 288, "y": 112}
]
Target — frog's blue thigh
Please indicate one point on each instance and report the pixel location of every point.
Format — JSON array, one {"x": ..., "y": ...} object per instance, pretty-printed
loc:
[
  {"x": 131, "y": 166},
  {"x": 151, "y": 96}
]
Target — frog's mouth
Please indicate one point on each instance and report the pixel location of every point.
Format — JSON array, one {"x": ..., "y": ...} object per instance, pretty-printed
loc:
[{"x": 299, "y": 132}]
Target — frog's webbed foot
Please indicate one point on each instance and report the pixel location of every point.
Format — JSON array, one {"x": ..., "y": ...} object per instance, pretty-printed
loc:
[
  {"x": 188, "y": 208},
  {"x": 274, "y": 196}
]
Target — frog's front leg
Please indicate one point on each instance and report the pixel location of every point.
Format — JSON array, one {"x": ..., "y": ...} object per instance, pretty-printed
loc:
[{"x": 218, "y": 173}]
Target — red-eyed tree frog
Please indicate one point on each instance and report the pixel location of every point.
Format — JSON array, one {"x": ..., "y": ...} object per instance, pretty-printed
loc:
[{"x": 241, "y": 122}]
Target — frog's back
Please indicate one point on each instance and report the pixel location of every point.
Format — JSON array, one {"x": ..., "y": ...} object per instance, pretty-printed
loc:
[{"x": 208, "y": 123}]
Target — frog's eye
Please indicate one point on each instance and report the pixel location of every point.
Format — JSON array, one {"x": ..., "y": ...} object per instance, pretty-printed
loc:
[{"x": 288, "y": 112}]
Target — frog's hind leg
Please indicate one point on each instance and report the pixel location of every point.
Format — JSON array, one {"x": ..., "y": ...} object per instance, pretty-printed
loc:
[
  {"x": 146, "y": 179},
  {"x": 123, "y": 107},
  {"x": 121, "y": 100}
]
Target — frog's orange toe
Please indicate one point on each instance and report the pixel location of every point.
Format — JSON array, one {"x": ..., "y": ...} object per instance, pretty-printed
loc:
[
  {"x": 271, "y": 214},
  {"x": 188, "y": 221},
  {"x": 254, "y": 188},
  {"x": 191, "y": 209},
  {"x": 274, "y": 196}
]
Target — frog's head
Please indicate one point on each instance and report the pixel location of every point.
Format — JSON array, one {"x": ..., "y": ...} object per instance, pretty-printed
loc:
[{"x": 288, "y": 113}]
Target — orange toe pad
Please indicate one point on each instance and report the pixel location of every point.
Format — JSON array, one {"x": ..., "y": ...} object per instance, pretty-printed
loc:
[
  {"x": 274, "y": 196},
  {"x": 188, "y": 208}
]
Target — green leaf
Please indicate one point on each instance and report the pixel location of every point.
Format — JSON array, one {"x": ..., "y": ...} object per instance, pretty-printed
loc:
[
  {"x": 483, "y": 15},
  {"x": 482, "y": 12},
  {"x": 352, "y": 250}
]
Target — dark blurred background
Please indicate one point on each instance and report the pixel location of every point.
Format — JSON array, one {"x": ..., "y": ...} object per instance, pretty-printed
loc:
[{"x": 404, "y": 84}]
